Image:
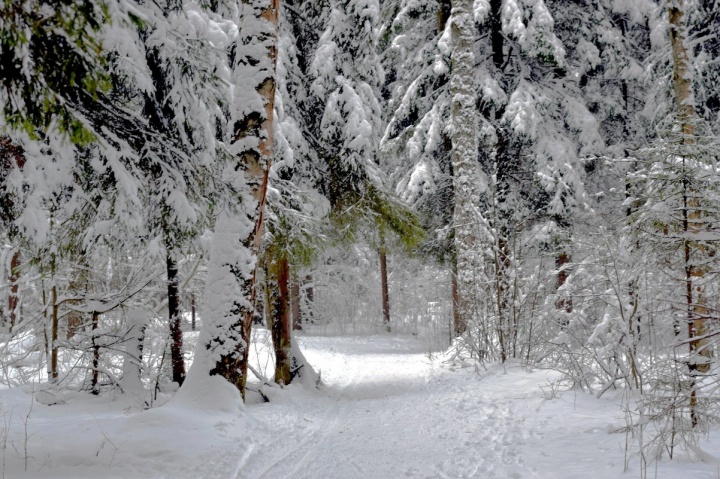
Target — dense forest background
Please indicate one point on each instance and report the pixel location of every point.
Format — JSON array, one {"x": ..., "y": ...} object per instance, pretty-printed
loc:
[{"x": 530, "y": 181}]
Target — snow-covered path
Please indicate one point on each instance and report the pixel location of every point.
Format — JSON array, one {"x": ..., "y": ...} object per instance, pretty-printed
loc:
[
  {"x": 386, "y": 412},
  {"x": 390, "y": 412}
]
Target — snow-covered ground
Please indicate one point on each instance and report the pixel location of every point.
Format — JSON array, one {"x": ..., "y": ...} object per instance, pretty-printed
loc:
[{"x": 387, "y": 411}]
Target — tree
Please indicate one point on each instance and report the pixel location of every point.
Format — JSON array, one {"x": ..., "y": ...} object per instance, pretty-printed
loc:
[
  {"x": 467, "y": 182},
  {"x": 231, "y": 284}
]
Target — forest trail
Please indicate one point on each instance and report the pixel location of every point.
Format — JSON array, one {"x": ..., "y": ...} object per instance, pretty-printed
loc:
[
  {"x": 387, "y": 411},
  {"x": 391, "y": 412}
]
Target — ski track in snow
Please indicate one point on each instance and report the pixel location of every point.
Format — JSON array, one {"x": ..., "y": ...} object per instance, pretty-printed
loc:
[
  {"x": 392, "y": 414},
  {"x": 388, "y": 412},
  {"x": 313, "y": 436}
]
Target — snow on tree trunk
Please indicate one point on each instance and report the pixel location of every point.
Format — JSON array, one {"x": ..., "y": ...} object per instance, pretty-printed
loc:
[
  {"x": 215, "y": 378},
  {"x": 231, "y": 283},
  {"x": 693, "y": 224},
  {"x": 14, "y": 297},
  {"x": 130, "y": 382},
  {"x": 464, "y": 136},
  {"x": 94, "y": 379}
]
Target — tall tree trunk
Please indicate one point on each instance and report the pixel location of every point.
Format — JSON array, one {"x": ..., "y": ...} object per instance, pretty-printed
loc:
[
  {"x": 497, "y": 39},
  {"x": 384, "y": 287},
  {"x": 94, "y": 388},
  {"x": 695, "y": 254},
  {"x": 278, "y": 276},
  {"x": 174, "y": 316},
  {"x": 295, "y": 301},
  {"x": 54, "y": 328},
  {"x": 466, "y": 177},
  {"x": 54, "y": 320},
  {"x": 233, "y": 258},
  {"x": 14, "y": 298},
  {"x": 11, "y": 156}
]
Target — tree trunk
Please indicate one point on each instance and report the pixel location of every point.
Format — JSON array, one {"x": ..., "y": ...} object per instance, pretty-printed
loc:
[
  {"x": 279, "y": 316},
  {"x": 502, "y": 265},
  {"x": 96, "y": 354},
  {"x": 131, "y": 381},
  {"x": 54, "y": 335},
  {"x": 443, "y": 15},
  {"x": 459, "y": 326},
  {"x": 693, "y": 224},
  {"x": 295, "y": 301},
  {"x": 466, "y": 176},
  {"x": 79, "y": 282},
  {"x": 174, "y": 315},
  {"x": 384, "y": 287},
  {"x": 309, "y": 288},
  {"x": 497, "y": 39},
  {"x": 563, "y": 304},
  {"x": 54, "y": 320},
  {"x": 14, "y": 298},
  {"x": 231, "y": 286},
  {"x": 193, "y": 314}
]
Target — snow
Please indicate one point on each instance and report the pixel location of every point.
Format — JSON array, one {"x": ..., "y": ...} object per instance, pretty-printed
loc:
[{"x": 387, "y": 409}]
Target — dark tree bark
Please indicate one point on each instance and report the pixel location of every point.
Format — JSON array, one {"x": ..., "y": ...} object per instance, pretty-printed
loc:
[
  {"x": 384, "y": 286},
  {"x": 96, "y": 354},
  {"x": 278, "y": 274},
  {"x": 443, "y": 14},
  {"x": 55, "y": 326},
  {"x": 497, "y": 40},
  {"x": 174, "y": 315},
  {"x": 193, "y": 313},
  {"x": 11, "y": 156},
  {"x": 14, "y": 298}
]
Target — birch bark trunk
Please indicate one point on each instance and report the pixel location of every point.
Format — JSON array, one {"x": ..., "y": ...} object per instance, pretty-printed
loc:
[{"x": 693, "y": 223}]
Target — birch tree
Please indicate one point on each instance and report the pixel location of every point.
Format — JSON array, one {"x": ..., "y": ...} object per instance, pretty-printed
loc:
[{"x": 231, "y": 287}]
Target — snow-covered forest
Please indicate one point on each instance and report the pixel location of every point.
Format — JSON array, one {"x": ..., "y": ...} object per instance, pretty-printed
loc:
[{"x": 359, "y": 238}]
